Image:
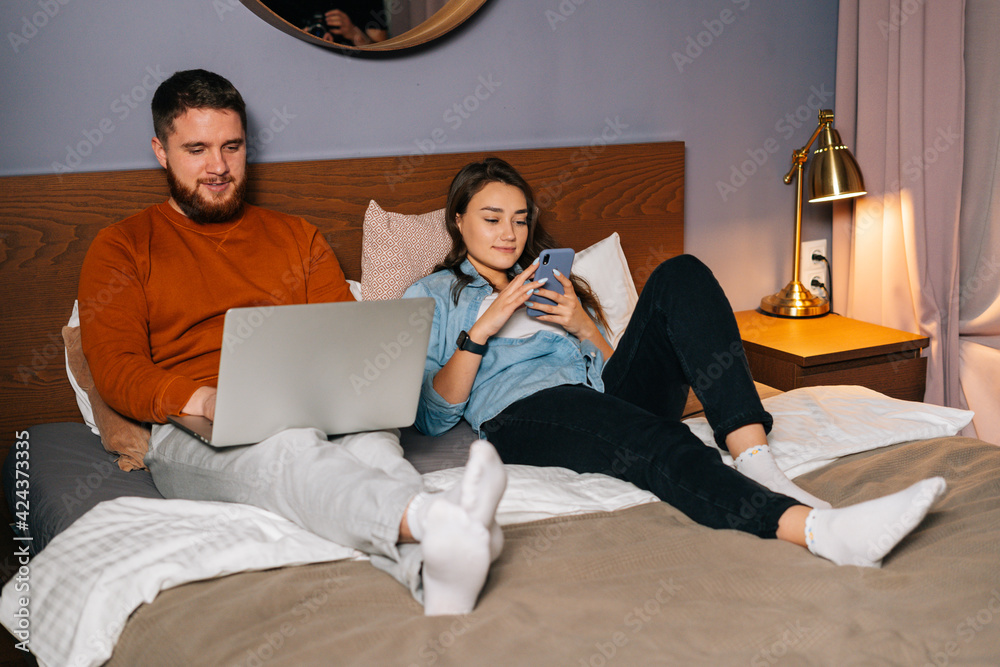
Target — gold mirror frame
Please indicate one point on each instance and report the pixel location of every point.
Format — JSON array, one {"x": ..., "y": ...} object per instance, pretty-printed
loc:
[{"x": 443, "y": 21}]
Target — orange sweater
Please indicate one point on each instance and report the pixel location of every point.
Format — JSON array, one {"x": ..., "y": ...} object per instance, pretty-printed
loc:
[{"x": 155, "y": 288}]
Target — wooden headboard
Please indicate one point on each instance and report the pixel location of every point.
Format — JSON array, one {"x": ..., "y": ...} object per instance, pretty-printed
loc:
[{"x": 48, "y": 221}]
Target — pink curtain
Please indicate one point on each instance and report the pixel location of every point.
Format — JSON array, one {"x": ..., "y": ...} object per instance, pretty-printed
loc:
[
  {"x": 900, "y": 103},
  {"x": 979, "y": 293},
  {"x": 918, "y": 96}
]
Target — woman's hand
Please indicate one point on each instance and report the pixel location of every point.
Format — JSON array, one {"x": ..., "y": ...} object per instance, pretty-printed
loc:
[
  {"x": 455, "y": 379},
  {"x": 508, "y": 300},
  {"x": 570, "y": 314}
]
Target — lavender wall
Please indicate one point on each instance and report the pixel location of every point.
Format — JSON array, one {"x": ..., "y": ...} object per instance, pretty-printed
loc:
[{"x": 737, "y": 80}]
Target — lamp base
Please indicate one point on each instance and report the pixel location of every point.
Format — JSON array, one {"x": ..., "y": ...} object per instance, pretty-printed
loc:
[{"x": 794, "y": 301}]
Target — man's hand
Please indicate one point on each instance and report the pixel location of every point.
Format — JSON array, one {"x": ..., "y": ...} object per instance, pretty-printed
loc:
[{"x": 202, "y": 403}]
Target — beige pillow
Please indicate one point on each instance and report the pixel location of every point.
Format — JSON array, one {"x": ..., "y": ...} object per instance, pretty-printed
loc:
[
  {"x": 397, "y": 250},
  {"x": 119, "y": 434}
]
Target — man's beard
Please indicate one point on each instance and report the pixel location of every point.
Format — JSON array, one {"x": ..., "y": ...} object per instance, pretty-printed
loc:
[{"x": 203, "y": 210}]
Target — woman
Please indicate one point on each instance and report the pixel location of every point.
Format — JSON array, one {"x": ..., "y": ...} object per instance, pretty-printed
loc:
[{"x": 550, "y": 391}]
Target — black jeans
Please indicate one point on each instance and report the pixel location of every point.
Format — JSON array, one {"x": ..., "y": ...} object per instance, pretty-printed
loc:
[{"x": 682, "y": 334}]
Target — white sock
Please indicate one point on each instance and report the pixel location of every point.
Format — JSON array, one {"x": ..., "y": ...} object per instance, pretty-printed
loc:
[
  {"x": 863, "y": 534},
  {"x": 480, "y": 490},
  {"x": 456, "y": 551},
  {"x": 758, "y": 464}
]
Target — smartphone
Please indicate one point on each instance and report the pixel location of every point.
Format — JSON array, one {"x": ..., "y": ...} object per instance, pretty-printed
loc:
[{"x": 557, "y": 258}]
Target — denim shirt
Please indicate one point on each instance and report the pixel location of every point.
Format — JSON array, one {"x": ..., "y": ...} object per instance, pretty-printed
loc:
[{"x": 511, "y": 369}]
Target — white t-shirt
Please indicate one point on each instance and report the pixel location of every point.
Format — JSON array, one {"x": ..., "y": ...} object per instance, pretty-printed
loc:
[{"x": 520, "y": 324}]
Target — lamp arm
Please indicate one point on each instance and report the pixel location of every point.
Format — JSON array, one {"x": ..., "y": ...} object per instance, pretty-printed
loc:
[{"x": 799, "y": 157}]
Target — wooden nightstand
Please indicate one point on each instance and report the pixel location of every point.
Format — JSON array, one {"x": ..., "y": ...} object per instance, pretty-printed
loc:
[{"x": 790, "y": 353}]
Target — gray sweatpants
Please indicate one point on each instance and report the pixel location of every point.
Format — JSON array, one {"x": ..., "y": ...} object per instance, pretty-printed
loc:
[{"x": 352, "y": 490}]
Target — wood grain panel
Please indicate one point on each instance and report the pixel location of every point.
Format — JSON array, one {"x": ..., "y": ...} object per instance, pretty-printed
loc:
[{"x": 47, "y": 222}]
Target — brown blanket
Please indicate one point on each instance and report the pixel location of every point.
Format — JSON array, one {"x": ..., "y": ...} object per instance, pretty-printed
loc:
[{"x": 639, "y": 586}]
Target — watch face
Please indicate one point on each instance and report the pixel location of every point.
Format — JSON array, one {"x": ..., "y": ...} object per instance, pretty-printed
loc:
[{"x": 468, "y": 345}]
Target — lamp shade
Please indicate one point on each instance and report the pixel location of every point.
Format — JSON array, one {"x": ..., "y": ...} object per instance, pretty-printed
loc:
[{"x": 833, "y": 171}]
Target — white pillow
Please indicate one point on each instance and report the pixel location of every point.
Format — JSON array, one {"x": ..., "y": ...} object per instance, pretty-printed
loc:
[
  {"x": 816, "y": 425},
  {"x": 82, "y": 400},
  {"x": 604, "y": 266},
  {"x": 355, "y": 289}
]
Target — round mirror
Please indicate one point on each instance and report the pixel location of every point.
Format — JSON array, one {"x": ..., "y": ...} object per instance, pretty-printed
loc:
[{"x": 365, "y": 25}]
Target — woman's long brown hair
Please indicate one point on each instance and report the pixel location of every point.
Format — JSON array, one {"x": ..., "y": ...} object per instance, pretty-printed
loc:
[{"x": 471, "y": 179}]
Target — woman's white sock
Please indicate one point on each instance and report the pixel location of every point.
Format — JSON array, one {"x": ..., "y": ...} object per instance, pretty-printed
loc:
[
  {"x": 758, "y": 464},
  {"x": 863, "y": 534}
]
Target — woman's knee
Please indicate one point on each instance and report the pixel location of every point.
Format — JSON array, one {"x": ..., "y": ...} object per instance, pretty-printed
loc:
[
  {"x": 682, "y": 269},
  {"x": 681, "y": 279}
]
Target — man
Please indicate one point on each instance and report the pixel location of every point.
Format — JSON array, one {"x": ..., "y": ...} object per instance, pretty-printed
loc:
[{"x": 153, "y": 347}]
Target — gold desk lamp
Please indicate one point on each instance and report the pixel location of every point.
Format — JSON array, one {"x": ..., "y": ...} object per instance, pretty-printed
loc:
[{"x": 833, "y": 174}]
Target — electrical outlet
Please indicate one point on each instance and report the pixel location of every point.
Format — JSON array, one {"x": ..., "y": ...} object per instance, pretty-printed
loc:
[{"x": 810, "y": 268}]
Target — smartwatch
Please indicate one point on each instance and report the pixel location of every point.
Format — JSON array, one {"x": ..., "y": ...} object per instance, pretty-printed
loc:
[{"x": 469, "y": 345}]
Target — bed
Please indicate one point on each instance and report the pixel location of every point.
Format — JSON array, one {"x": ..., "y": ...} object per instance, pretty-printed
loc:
[{"x": 593, "y": 571}]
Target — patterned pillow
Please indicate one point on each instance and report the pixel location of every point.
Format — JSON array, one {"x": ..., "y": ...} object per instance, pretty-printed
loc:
[{"x": 397, "y": 250}]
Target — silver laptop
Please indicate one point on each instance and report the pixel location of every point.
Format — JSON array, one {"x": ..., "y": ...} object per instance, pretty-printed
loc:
[{"x": 338, "y": 367}]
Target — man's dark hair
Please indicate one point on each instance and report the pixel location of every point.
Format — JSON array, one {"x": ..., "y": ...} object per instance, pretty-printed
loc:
[{"x": 193, "y": 89}]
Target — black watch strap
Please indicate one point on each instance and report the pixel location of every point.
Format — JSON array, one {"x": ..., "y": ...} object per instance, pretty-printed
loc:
[{"x": 469, "y": 345}]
